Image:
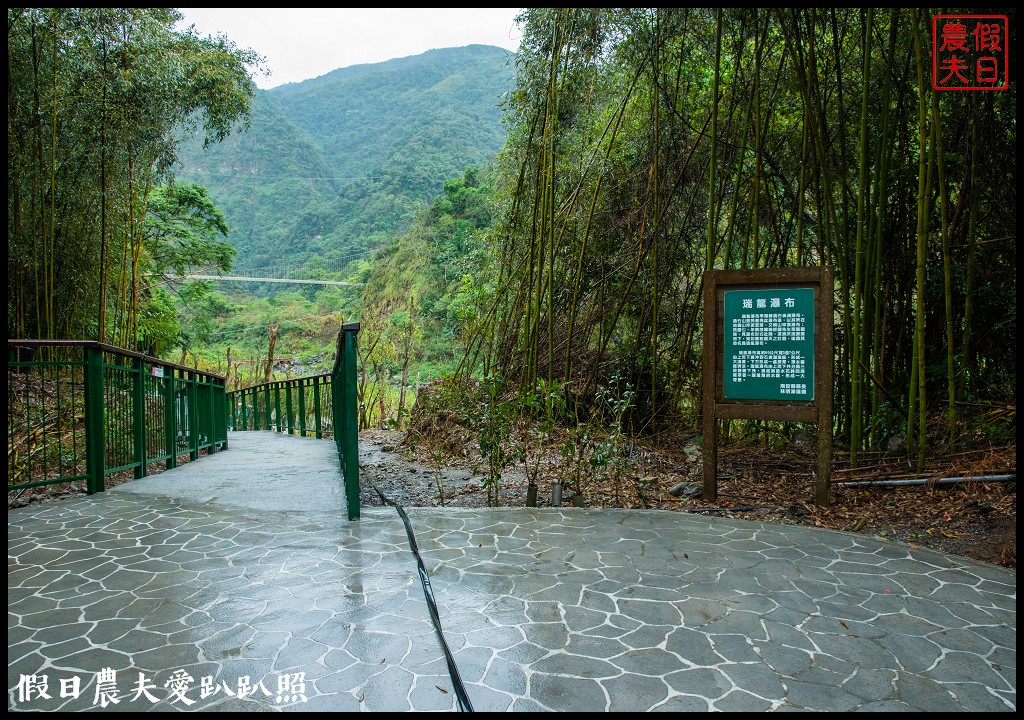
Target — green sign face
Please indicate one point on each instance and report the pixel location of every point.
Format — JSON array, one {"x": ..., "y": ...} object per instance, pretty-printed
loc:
[{"x": 769, "y": 344}]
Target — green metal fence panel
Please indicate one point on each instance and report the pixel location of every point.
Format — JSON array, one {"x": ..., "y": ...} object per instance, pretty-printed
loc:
[
  {"x": 327, "y": 407},
  {"x": 118, "y": 413},
  {"x": 45, "y": 417},
  {"x": 218, "y": 396},
  {"x": 338, "y": 397},
  {"x": 305, "y": 411},
  {"x": 158, "y": 445},
  {"x": 82, "y": 410}
]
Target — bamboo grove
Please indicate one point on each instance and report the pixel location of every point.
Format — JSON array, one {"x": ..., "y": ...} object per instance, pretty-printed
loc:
[
  {"x": 98, "y": 99},
  {"x": 647, "y": 145}
]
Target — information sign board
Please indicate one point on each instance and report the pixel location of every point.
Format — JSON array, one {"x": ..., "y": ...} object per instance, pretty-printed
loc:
[
  {"x": 768, "y": 341},
  {"x": 768, "y": 355}
]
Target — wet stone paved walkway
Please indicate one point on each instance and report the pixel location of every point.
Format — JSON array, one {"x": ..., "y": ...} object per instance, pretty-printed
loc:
[{"x": 236, "y": 583}]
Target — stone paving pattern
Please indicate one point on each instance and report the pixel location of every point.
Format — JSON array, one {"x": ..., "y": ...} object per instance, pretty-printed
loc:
[
  {"x": 242, "y": 567},
  {"x": 594, "y": 610}
]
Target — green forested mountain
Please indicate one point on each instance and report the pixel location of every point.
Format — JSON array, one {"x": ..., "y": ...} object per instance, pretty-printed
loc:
[
  {"x": 260, "y": 178},
  {"x": 334, "y": 166}
]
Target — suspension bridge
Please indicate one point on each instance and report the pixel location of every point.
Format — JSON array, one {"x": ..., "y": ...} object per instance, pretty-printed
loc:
[{"x": 315, "y": 273}]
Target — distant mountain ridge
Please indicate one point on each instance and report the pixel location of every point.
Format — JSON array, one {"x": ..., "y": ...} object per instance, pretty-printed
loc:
[{"x": 335, "y": 165}]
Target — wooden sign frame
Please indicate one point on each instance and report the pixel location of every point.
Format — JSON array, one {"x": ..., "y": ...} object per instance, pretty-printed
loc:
[{"x": 716, "y": 407}]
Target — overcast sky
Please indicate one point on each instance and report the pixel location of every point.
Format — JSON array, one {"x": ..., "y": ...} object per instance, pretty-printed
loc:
[{"x": 303, "y": 43}]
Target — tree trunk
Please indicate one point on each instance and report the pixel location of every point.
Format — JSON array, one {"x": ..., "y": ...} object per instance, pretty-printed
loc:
[
  {"x": 947, "y": 263},
  {"x": 406, "y": 356},
  {"x": 966, "y": 360},
  {"x": 272, "y": 335},
  {"x": 923, "y": 189},
  {"x": 712, "y": 229},
  {"x": 856, "y": 361}
]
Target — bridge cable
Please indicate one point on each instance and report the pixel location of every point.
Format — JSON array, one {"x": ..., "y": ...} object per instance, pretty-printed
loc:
[{"x": 453, "y": 671}]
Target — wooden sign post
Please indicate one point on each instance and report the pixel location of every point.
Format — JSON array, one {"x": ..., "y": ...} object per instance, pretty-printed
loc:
[{"x": 768, "y": 355}]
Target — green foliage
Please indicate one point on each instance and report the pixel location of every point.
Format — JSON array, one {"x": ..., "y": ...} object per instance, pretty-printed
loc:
[
  {"x": 274, "y": 186},
  {"x": 182, "y": 225},
  {"x": 197, "y": 324},
  {"x": 609, "y": 459},
  {"x": 607, "y": 191},
  {"x": 597, "y": 448},
  {"x": 180, "y": 236},
  {"x": 158, "y": 323},
  {"x": 435, "y": 263},
  {"x": 98, "y": 101},
  {"x": 491, "y": 416},
  {"x": 581, "y": 250},
  {"x": 998, "y": 426},
  {"x": 539, "y": 411}
]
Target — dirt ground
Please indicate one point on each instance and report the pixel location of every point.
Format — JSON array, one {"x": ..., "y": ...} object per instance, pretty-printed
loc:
[{"x": 974, "y": 519}]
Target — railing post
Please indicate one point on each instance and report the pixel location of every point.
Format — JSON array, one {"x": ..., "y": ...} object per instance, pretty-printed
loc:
[
  {"x": 277, "y": 405},
  {"x": 192, "y": 401},
  {"x": 266, "y": 407},
  {"x": 139, "y": 424},
  {"x": 350, "y": 426},
  {"x": 302, "y": 408},
  {"x": 213, "y": 424},
  {"x": 316, "y": 409},
  {"x": 170, "y": 419},
  {"x": 288, "y": 405},
  {"x": 94, "y": 448},
  {"x": 222, "y": 393},
  {"x": 229, "y": 417}
]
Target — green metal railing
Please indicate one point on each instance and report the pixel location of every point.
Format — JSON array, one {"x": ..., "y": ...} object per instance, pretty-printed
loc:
[
  {"x": 82, "y": 410},
  {"x": 322, "y": 406},
  {"x": 301, "y": 406}
]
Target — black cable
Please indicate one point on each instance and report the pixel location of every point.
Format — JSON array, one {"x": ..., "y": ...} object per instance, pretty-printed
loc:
[{"x": 453, "y": 671}]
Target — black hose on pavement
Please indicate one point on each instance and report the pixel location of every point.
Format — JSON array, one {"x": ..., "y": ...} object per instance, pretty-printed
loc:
[{"x": 461, "y": 696}]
